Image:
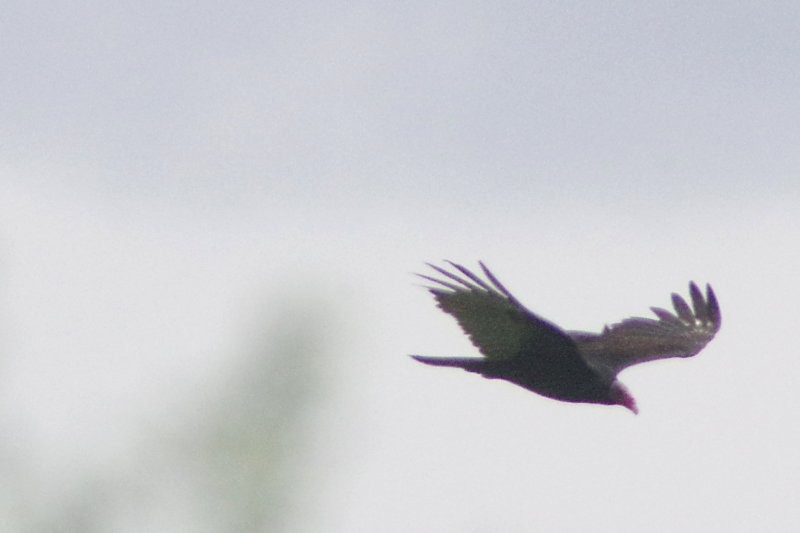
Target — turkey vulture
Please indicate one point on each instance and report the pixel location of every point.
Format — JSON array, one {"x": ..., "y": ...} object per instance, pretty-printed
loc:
[{"x": 572, "y": 366}]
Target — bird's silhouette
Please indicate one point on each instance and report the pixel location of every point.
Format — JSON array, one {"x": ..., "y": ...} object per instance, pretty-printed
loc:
[{"x": 572, "y": 366}]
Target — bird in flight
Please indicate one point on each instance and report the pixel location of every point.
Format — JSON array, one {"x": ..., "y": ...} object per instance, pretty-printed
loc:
[{"x": 572, "y": 366}]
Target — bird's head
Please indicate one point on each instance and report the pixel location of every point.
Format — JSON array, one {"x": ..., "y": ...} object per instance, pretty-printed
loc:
[{"x": 620, "y": 395}]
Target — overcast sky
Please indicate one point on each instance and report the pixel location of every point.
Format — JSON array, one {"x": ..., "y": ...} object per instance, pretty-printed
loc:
[{"x": 176, "y": 176}]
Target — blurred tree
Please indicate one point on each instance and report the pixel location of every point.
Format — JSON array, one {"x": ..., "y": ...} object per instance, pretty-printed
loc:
[
  {"x": 252, "y": 448},
  {"x": 236, "y": 467}
]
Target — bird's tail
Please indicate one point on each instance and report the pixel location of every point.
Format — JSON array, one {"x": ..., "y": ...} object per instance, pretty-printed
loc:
[{"x": 473, "y": 364}]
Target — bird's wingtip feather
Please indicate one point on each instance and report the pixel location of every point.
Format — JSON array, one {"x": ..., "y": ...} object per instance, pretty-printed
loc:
[{"x": 682, "y": 308}]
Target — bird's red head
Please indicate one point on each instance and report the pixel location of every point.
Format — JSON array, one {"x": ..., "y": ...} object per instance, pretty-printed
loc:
[{"x": 620, "y": 395}]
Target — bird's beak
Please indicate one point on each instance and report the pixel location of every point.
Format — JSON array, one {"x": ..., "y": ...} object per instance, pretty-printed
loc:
[{"x": 621, "y": 396}]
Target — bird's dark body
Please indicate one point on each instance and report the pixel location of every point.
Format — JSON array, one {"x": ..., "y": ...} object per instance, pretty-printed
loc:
[
  {"x": 545, "y": 376},
  {"x": 524, "y": 349}
]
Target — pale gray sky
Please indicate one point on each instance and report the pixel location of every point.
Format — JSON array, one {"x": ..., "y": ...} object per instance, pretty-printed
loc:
[{"x": 175, "y": 178}]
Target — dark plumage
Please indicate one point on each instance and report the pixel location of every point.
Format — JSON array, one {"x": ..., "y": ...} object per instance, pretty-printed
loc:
[{"x": 572, "y": 366}]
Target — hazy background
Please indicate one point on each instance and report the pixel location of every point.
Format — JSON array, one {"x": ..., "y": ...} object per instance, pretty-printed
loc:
[{"x": 209, "y": 214}]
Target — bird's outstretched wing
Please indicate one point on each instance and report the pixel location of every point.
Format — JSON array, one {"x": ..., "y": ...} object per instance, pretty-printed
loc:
[
  {"x": 637, "y": 340},
  {"x": 495, "y": 321}
]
